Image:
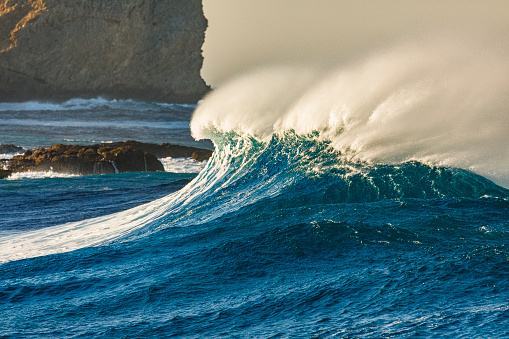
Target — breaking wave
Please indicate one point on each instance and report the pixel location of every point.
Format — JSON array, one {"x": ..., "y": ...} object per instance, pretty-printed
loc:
[
  {"x": 400, "y": 125},
  {"x": 436, "y": 104}
]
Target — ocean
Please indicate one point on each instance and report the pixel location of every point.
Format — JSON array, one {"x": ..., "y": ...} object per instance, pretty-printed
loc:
[{"x": 358, "y": 206}]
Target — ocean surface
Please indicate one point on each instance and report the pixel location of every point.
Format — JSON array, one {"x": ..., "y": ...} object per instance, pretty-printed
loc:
[{"x": 326, "y": 211}]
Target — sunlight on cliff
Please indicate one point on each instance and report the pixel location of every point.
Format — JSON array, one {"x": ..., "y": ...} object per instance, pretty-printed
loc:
[{"x": 26, "y": 11}]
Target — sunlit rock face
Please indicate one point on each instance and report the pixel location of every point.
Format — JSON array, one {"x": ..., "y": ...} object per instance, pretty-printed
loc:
[{"x": 140, "y": 49}]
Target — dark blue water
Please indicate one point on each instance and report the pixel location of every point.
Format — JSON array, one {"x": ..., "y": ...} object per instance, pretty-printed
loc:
[
  {"x": 279, "y": 238},
  {"x": 33, "y": 203},
  {"x": 85, "y": 122}
]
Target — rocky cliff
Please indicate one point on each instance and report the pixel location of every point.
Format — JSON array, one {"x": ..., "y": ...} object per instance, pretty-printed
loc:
[{"x": 140, "y": 49}]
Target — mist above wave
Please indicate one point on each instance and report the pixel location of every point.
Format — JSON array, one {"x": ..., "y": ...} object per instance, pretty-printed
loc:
[{"x": 442, "y": 103}]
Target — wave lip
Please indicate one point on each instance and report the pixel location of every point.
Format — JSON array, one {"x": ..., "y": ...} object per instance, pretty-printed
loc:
[{"x": 429, "y": 102}]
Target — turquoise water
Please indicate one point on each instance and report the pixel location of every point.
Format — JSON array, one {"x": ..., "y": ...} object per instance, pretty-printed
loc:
[{"x": 283, "y": 236}]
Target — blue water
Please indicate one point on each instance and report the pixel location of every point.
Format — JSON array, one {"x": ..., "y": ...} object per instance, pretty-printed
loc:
[
  {"x": 281, "y": 237},
  {"x": 85, "y": 122},
  {"x": 33, "y": 203}
]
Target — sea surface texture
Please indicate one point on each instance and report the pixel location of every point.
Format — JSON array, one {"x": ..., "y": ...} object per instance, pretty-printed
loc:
[{"x": 363, "y": 215}]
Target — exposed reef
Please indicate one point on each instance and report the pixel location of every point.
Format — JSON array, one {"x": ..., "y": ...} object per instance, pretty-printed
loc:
[
  {"x": 129, "y": 156},
  {"x": 9, "y": 148},
  {"x": 165, "y": 150},
  {"x": 85, "y": 160},
  {"x": 4, "y": 173},
  {"x": 138, "y": 49}
]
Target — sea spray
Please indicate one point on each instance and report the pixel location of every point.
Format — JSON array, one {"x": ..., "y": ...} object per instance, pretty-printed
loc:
[
  {"x": 443, "y": 105},
  {"x": 307, "y": 221}
]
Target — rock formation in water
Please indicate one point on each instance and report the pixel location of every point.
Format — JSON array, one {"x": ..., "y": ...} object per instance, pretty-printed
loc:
[
  {"x": 84, "y": 160},
  {"x": 128, "y": 156},
  {"x": 140, "y": 49},
  {"x": 4, "y": 173},
  {"x": 165, "y": 150},
  {"x": 9, "y": 148}
]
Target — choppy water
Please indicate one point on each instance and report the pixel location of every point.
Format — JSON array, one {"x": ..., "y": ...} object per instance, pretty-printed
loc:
[
  {"x": 86, "y": 122},
  {"x": 301, "y": 225}
]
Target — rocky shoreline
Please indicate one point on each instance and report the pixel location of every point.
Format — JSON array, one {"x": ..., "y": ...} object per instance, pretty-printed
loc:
[{"x": 118, "y": 157}]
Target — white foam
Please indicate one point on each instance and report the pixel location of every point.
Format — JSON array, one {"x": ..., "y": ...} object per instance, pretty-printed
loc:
[
  {"x": 80, "y": 141},
  {"x": 72, "y": 236},
  {"x": 39, "y": 175},
  {"x": 82, "y": 104},
  {"x": 444, "y": 103},
  {"x": 182, "y": 165},
  {"x": 7, "y": 155}
]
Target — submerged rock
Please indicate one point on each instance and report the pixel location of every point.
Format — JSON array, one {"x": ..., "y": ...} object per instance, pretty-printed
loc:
[
  {"x": 84, "y": 160},
  {"x": 138, "y": 49}
]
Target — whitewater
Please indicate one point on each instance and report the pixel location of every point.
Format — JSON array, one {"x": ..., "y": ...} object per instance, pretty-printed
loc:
[{"x": 366, "y": 201}]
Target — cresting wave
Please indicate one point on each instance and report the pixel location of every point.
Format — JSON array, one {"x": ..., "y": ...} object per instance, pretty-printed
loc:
[
  {"x": 285, "y": 172},
  {"x": 444, "y": 104},
  {"x": 400, "y": 125}
]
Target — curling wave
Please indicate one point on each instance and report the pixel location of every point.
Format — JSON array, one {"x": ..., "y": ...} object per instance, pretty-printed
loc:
[
  {"x": 443, "y": 105},
  {"x": 286, "y": 172},
  {"x": 406, "y": 124}
]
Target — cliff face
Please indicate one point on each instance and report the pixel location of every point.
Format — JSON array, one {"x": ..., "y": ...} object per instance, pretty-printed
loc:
[{"x": 140, "y": 49}]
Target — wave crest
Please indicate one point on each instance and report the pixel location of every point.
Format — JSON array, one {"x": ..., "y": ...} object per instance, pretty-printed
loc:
[{"x": 445, "y": 104}]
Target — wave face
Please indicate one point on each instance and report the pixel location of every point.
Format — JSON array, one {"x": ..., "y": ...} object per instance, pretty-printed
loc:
[
  {"x": 330, "y": 208},
  {"x": 277, "y": 237}
]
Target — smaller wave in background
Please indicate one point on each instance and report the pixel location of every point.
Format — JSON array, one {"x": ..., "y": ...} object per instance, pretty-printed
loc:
[
  {"x": 88, "y": 121},
  {"x": 87, "y": 104},
  {"x": 39, "y": 175},
  {"x": 96, "y": 124}
]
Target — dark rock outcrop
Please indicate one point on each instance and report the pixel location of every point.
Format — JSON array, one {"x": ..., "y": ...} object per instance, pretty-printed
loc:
[
  {"x": 4, "y": 173},
  {"x": 83, "y": 160},
  {"x": 128, "y": 156},
  {"x": 165, "y": 150},
  {"x": 8, "y": 148},
  {"x": 139, "y": 49}
]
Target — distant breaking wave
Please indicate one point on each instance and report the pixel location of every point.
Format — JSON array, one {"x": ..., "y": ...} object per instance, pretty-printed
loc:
[{"x": 86, "y": 104}]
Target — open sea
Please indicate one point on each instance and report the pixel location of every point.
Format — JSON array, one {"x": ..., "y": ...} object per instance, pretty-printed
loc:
[{"x": 354, "y": 209}]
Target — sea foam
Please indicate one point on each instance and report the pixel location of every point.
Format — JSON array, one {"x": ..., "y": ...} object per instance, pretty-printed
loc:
[
  {"x": 441, "y": 103},
  {"x": 87, "y": 104},
  {"x": 182, "y": 165},
  {"x": 39, "y": 175}
]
